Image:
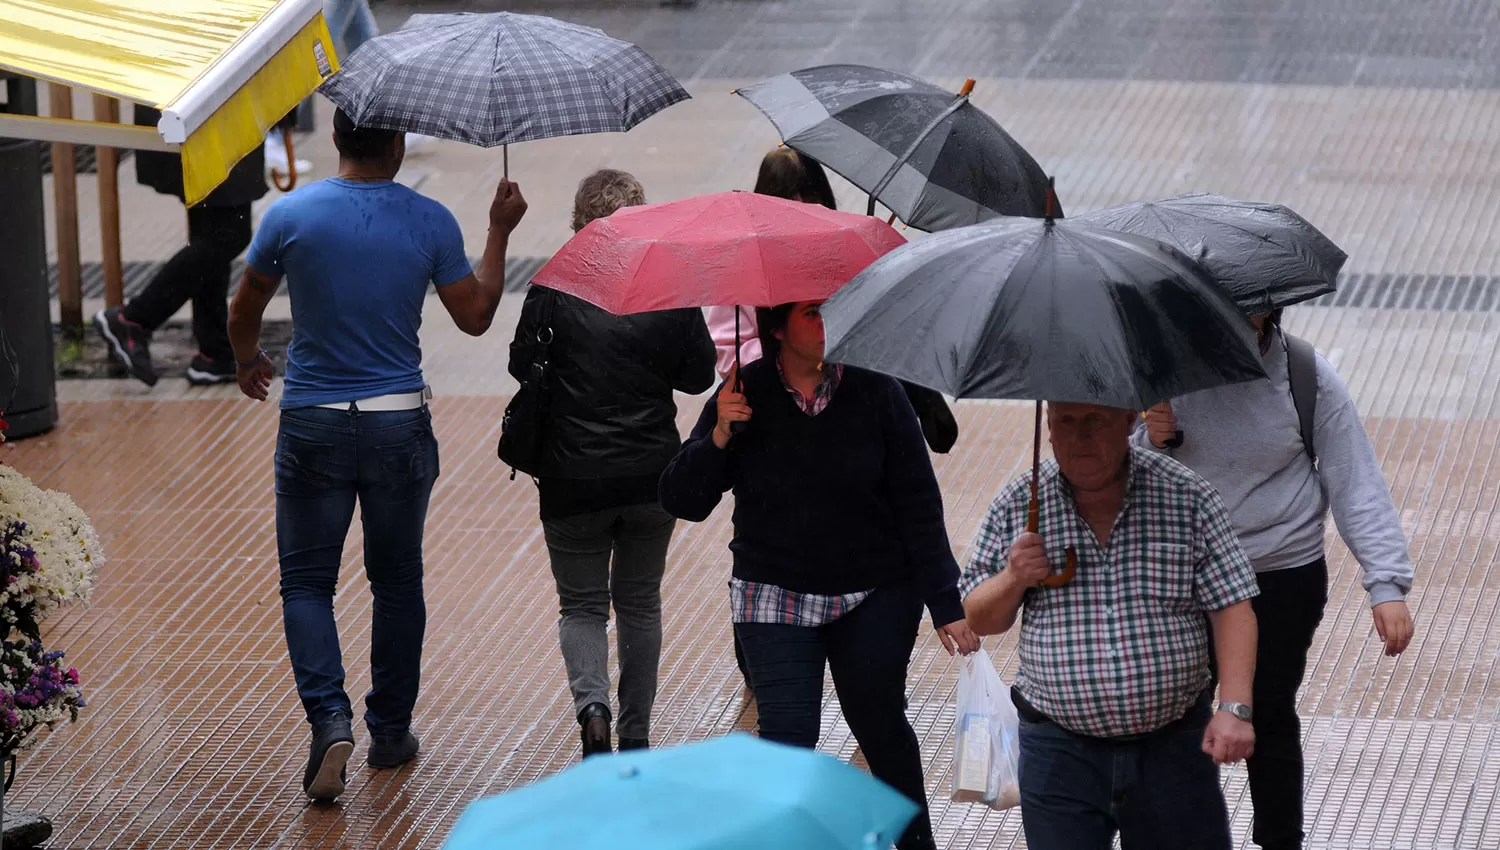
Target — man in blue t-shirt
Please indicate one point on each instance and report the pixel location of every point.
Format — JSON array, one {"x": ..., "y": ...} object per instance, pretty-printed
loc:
[{"x": 358, "y": 252}]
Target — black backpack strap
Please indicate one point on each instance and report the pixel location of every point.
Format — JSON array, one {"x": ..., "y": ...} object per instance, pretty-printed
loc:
[{"x": 1302, "y": 374}]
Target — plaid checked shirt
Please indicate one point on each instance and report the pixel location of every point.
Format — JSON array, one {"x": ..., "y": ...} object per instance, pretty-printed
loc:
[
  {"x": 1123, "y": 649},
  {"x": 750, "y": 602}
]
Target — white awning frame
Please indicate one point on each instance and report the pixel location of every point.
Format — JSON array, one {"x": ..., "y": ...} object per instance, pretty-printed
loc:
[{"x": 234, "y": 68}]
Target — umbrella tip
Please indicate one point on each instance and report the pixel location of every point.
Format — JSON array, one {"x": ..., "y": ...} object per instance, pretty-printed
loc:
[
  {"x": 967, "y": 89},
  {"x": 1051, "y": 210}
]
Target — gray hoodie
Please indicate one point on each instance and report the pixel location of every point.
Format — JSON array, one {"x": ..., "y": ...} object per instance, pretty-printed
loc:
[{"x": 1245, "y": 440}]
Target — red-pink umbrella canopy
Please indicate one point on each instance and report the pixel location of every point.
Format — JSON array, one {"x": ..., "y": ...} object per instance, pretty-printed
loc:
[{"x": 731, "y": 248}]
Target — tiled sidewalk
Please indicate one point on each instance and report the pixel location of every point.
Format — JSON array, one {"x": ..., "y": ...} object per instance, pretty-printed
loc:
[{"x": 194, "y": 736}]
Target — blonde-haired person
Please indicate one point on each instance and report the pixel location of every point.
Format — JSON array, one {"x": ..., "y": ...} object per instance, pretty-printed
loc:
[{"x": 610, "y": 432}]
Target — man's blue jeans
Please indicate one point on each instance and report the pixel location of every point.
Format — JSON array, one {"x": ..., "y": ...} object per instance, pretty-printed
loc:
[
  {"x": 326, "y": 460},
  {"x": 1160, "y": 791}
]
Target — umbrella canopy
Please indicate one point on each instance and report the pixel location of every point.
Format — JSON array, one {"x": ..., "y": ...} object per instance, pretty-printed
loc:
[
  {"x": 1267, "y": 256},
  {"x": 932, "y": 157},
  {"x": 1036, "y": 309},
  {"x": 500, "y": 78},
  {"x": 722, "y": 249},
  {"x": 730, "y": 793}
]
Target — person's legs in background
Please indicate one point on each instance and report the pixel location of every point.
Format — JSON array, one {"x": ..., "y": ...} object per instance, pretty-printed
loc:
[
  {"x": 579, "y": 548},
  {"x": 199, "y": 272},
  {"x": 640, "y": 558},
  {"x": 1288, "y": 610},
  {"x": 868, "y": 652},
  {"x": 398, "y": 465},
  {"x": 228, "y": 231}
]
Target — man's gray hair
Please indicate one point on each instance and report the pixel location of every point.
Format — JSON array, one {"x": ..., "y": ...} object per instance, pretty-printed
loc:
[{"x": 603, "y": 192}]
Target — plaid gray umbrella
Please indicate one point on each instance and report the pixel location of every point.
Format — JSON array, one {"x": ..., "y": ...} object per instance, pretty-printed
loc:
[
  {"x": 501, "y": 78},
  {"x": 932, "y": 157}
]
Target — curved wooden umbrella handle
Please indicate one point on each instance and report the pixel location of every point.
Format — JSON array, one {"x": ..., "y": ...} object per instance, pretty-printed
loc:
[
  {"x": 291, "y": 164},
  {"x": 1066, "y": 576}
]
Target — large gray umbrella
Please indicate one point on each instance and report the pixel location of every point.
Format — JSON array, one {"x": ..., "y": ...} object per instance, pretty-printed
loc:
[
  {"x": 501, "y": 78},
  {"x": 932, "y": 157},
  {"x": 1037, "y": 309},
  {"x": 1267, "y": 256}
]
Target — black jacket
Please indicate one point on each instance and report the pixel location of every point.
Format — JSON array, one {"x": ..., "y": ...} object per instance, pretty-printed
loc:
[
  {"x": 610, "y": 408},
  {"x": 162, "y": 171}
]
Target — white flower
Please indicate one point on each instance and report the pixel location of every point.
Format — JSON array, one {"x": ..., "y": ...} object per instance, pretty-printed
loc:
[{"x": 66, "y": 545}]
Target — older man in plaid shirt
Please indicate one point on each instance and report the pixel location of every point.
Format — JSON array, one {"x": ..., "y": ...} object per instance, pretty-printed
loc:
[{"x": 1114, "y": 690}]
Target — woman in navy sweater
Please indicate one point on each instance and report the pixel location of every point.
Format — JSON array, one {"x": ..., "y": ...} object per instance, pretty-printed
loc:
[{"x": 839, "y": 542}]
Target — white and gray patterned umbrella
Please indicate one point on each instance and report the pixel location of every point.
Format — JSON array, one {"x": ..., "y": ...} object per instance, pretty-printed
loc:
[
  {"x": 932, "y": 157},
  {"x": 499, "y": 79}
]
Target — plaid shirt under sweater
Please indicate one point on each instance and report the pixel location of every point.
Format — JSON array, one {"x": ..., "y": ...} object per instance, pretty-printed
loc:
[
  {"x": 752, "y": 602},
  {"x": 1123, "y": 649}
]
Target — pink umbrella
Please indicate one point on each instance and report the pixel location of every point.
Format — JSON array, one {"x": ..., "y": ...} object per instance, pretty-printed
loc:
[{"x": 730, "y": 248}]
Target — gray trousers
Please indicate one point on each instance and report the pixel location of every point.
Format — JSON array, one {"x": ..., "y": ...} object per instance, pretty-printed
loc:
[{"x": 635, "y": 538}]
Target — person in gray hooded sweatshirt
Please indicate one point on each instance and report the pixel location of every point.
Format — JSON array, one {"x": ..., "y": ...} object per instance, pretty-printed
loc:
[{"x": 1245, "y": 439}]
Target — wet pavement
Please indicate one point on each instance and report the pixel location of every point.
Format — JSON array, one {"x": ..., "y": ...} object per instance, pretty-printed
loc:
[{"x": 1377, "y": 120}]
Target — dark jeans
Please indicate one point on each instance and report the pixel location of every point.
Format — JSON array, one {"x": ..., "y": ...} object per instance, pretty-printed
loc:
[
  {"x": 867, "y": 650},
  {"x": 633, "y": 540},
  {"x": 325, "y": 461},
  {"x": 198, "y": 273},
  {"x": 1159, "y": 791},
  {"x": 1287, "y": 611}
]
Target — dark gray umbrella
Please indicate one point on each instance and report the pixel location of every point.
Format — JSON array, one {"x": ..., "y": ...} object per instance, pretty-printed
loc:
[
  {"x": 1266, "y": 255},
  {"x": 501, "y": 78},
  {"x": 932, "y": 157},
  {"x": 1036, "y": 309}
]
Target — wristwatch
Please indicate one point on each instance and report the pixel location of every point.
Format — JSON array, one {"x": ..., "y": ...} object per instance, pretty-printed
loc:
[{"x": 1238, "y": 709}]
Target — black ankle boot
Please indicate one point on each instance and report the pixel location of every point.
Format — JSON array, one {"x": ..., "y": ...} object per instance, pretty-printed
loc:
[
  {"x": 594, "y": 723},
  {"x": 634, "y": 744}
]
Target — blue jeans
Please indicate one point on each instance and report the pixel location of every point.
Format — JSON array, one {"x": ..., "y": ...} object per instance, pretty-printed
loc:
[
  {"x": 325, "y": 461},
  {"x": 867, "y": 651},
  {"x": 1160, "y": 791},
  {"x": 350, "y": 22}
]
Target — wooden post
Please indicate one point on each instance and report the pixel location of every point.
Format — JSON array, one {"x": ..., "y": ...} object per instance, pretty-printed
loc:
[
  {"x": 107, "y": 109},
  {"x": 65, "y": 202}
]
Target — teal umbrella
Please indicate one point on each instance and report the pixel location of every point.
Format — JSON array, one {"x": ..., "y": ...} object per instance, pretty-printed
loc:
[{"x": 732, "y": 793}]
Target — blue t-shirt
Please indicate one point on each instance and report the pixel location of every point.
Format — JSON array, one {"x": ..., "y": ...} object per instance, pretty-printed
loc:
[{"x": 358, "y": 258}]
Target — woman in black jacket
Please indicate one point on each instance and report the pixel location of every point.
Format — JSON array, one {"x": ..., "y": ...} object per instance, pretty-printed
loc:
[
  {"x": 611, "y": 429},
  {"x": 839, "y": 541}
]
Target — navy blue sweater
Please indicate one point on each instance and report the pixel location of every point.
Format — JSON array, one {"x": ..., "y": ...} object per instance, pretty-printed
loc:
[{"x": 835, "y": 503}]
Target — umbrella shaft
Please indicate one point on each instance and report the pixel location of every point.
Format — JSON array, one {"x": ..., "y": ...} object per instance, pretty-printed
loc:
[{"x": 921, "y": 137}]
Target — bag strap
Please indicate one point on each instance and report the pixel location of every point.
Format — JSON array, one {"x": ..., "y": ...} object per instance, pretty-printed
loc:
[
  {"x": 549, "y": 302},
  {"x": 1302, "y": 374}
]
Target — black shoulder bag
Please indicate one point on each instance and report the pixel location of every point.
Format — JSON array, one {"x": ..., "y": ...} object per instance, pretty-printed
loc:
[{"x": 522, "y": 429}]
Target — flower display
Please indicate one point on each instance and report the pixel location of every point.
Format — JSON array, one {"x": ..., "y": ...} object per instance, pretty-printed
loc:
[
  {"x": 49, "y": 557},
  {"x": 51, "y": 551},
  {"x": 36, "y": 690}
]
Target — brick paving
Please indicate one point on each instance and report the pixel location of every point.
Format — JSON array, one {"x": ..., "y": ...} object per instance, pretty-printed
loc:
[{"x": 1376, "y": 120}]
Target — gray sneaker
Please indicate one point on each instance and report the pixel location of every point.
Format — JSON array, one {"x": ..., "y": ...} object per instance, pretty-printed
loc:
[
  {"x": 392, "y": 752},
  {"x": 332, "y": 745}
]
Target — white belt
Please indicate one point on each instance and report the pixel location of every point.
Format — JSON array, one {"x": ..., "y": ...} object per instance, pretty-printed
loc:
[{"x": 398, "y": 401}]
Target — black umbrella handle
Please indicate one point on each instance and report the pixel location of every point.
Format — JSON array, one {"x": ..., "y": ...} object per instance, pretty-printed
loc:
[{"x": 1174, "y": 443}]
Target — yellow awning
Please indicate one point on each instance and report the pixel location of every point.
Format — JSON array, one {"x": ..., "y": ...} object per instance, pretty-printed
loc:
[{"x": 222, "y": 71}]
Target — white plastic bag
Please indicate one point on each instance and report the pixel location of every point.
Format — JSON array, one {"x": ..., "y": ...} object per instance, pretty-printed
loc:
[{"x": 986, "y": 738}]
